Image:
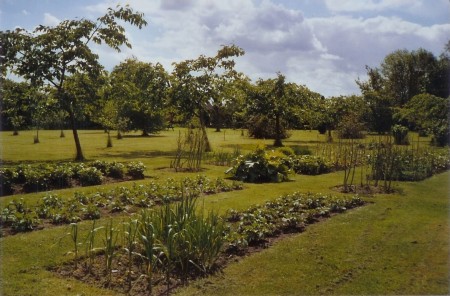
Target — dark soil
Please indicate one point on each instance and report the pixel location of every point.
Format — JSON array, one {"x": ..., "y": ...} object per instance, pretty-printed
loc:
[{"x": 136, "y": 283}]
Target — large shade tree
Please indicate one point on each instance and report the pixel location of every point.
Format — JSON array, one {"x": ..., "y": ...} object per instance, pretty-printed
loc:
[
  {"x": 49, "y": 56},
  {"x": 404, "y": 74}
]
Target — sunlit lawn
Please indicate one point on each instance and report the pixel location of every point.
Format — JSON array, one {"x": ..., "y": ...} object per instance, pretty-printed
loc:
[{"x": 398, "y": 244}]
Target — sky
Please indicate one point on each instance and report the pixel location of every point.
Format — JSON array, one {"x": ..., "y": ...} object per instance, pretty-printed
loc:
[{"x": 323, "y": 44}]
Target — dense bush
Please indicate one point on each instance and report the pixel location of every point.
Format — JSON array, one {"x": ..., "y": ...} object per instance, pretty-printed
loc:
[
  {"x": 310, "y": 165},
  {"x": 400, "y": 134},
  {"x": 136, "y": 169},
  {"x": 350, "y": 127},
  {"x": 42, "y": 177},
  {"x": 262, "y": 127},
  {"x": 260, "y": 166},
  {"x": 441, "y": 135},
  {"x": 90, "y": 176},
  {"x": 116, "y": 170},
  {"x": 7, "y": 177}
]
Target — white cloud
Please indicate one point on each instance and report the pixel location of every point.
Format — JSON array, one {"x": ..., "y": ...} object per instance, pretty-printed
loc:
[
  {"x": 327, "y": 54},
  {"x": 50, "y": 20},
  {"x": 25, "y": 12},
  {"x": 370, "y": 5}
]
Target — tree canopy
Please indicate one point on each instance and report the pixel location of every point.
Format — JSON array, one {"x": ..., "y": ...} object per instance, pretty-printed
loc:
[{"x": 49, "y": 56}]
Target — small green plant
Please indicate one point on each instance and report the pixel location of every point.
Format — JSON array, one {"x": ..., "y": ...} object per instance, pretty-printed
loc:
[
  {"x": 90, "y": 249},
  {"x": 400, "y": 134},
  {"x": 130, "y": 234},
  {"x": 260, "y": 166},
  {"x": 90, "y": 176},
  {"x": 110, "y": 247},
  {"x": 116, "y": 170},
  {"x": 136, "y": 169}
]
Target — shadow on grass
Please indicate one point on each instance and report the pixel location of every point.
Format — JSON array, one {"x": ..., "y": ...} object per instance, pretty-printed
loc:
[
  {"x": 139, "y": 154},
  {"x": 142, "y": 136}
]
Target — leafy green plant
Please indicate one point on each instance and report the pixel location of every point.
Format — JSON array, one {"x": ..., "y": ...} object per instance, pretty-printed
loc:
[
  {"x": 400, "y": 134},
  {"x": 286, "y": 214},
  {"x": 136, "y": 169},
  {"x": 90, "y": 176},
  {"x": 7, "y": 177},
  {"x": 309, "y": 165},
  {"x": 116, "y": 170},
  {"x": 260, "y": 166}
]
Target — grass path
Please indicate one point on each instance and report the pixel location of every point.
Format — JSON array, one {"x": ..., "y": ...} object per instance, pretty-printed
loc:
[{"x": 397, "y": 245}]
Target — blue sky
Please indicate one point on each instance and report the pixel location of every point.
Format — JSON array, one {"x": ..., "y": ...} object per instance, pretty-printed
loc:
[{"x": 323, "y": 44}]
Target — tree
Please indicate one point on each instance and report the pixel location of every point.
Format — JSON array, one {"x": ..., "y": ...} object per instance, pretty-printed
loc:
[
  {"x": 15, "y": 102},
  {"x": 278, "y": 103},
  {"x": 140, "y": 91},
  {"x": 429, "y": 113},
  {"x": 49, "y": 56},
  {"x": 198, "y": 83},
  {"x": 404, "y": 74}
]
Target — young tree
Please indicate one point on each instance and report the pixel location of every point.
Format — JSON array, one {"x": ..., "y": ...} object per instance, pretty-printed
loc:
[
  {"x": 51, "y": 55},
  {"x": 197, "y": 84},
  {"x": 273, "y": 102}
]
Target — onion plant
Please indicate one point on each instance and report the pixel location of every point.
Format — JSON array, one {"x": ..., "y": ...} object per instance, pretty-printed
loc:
[
  {"x": 110, "y": 246},
  {"x": 130, "y": 233}
]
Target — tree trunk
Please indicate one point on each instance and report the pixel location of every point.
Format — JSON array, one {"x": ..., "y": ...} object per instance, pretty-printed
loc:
[
  {"x": 277, "y": 142},
  {"x": 329, "y": 138},
  {"x": 79, "y": 156},
  {"x": 203, "y": 127},
  {"x": 218, "y": 119},
  {"x": 36, "y": 138}
]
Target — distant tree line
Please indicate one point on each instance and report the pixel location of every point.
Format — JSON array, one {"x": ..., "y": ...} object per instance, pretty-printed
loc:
[{"x": 64, "y": 86}]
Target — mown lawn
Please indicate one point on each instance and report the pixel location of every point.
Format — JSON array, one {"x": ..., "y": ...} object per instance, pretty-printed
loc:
[{"x": 397, "y": 244}]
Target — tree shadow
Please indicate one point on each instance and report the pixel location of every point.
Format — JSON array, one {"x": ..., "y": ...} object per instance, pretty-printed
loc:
[
  {"x": 141, "y": 154},
  {"x": 142, "y": 136}
]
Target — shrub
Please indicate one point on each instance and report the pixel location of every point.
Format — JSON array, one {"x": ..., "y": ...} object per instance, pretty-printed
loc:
[
  {"x": 262, "y": 127},
  {"x": 36, "y": 180},
  {"x": 61, "y": 175},
  {"x": 102, "y": 166},
  {"x": 310, "y": 165},
  {"x": 260, "y": 166},
  {"x": 350, "y": 128},
  {"x": 400, "y": 134},
  {"x": 441, "y": 136},
  {"x": 90, "y": 176},
  {"x": 116, "y": 170},
  {"x": 7, "y": 177},
  {"x": 136, "y": 169}
]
